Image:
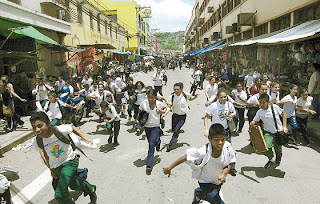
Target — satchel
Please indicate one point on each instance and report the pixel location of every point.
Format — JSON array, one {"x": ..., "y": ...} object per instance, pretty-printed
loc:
[
  {"x": 8, "y": 111},
  {"x": 280, "y": 138}
]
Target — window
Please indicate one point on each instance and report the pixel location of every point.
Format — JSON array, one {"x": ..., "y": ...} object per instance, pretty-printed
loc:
[
  {"x": 224, "y": 9},
  {"x": 79, "y": 12},
  {"x": 247, "y": 34},
  {"x": 230, "y": 5},
  {"x": 237, "y": 2},
  {"x": 306, "y": 14},
  {"x": 116, "y": 32},
  {"x": 91, "y": 20},
  {"x": 280, "y": 23},
  {"x": 260, "y": 30},
  {"x": 106, "y": 27},
  {"x": 110, "y": 25},
  {"x": 98, "y": 22}
]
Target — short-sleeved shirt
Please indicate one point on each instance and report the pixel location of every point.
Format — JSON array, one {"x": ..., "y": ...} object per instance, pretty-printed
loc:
[
  {"x": 197, "y": 74},
  {"x": 159, "y": 78},
  {"x": 242, "y": 95},
  {"x": 267, "y": 119},
  {"x": 306, "y": 104},
  {"x": 273, "y": 95},
  {"x": 290, "y": 108},
  {"x": 57, "y": 151},
  {"x": 249, "y": 79},
  {"x": 112, "y": 113},
  {"x": 60, "y": 84},
  {"x": 154, "y": 117},
  {"x": 212, "y": 89},
  {"x": 180, "y": 103},
  {"x": 315, "y": 77},
  {"x": 104, "y": 96},
  {"x": 219, "y": 111},
  {"x": 53, "y": 109},
  {"x": 254, "y": 99},
  {"x": 141, "y": 96}
]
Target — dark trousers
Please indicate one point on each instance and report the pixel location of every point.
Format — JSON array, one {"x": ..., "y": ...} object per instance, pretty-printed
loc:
[
  {"x": 201, "y": 82},
  {"x": 153, "y": 136},
  {"x": 116, "y": 129},
  {"x": 240, "y": 117},
  {"x": 208, "y": 192},
  {"x": 177, "y": 123},
  {"x": 14, "y": 121},
  {"x": 90, "y": 104},
  {"x": 302, "y": 124},
  {"x": 1, "y": 111},
  {"x": 6, "y": 197},
  {"x": 194, "y": 87},
  {"x": 136, "y": 111},
  {"x": 158, "y": 89}
]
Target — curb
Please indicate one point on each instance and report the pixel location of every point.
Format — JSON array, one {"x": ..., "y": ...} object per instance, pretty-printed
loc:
[{"x": 14, "y": 142}]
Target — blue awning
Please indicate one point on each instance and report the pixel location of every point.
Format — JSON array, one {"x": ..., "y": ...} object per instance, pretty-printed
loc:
[{"x": 212, "y": 47}]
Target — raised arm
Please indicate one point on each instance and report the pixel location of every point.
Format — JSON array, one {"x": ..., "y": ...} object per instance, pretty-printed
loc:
[{"x": 167, "y": 170}]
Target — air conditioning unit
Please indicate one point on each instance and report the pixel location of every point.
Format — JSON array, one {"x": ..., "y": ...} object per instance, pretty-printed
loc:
[
  {"x": 246, "y": 19},
  {"x": 201, "y": 21},
  {"x": 192, "y": 33},
  {"x": 235, "y": 27},
  {"x": 215, "y": 36},
  {"x": 210, "y": 9},
  {"x": 206, "y": 41},
  {"x": 229, "y": 30}
]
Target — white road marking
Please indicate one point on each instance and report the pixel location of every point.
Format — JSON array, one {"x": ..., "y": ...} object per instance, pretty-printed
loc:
[{"x": 27, "y": 193}]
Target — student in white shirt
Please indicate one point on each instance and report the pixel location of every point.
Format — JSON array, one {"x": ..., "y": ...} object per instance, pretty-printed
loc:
[
  {"x": 53, "y": 109},
  {"x": 102, "y": 95},
  {"x": 41, "y": 91},
  {"x": 289, "y": 106},
  {"x": 157, "y": 78},
  {"x": 112, "y": 120},
  {"x": 253, "y": 102},
  {"x": 303, "y": 110},
  {"x": 177, "y": 103},
  {"x": 59, "y": 84},
  {"x": 212, "y": 88},
  {"x": 265, "y": 114},
  {"x": 274, "y": 92},
  {"x": 87, "y": 80},
  {"x": 314, "y": 89},
  {"x": 248, "y": 80},
  {"x": 210, "y": 164},
  {"x": 240, "y": 96},
  {"x": 140, "y": 93},
  {"x": 60, "y": 158},
  {"x": 196, "y": 80},
  {"x": 154, "y": 109}
]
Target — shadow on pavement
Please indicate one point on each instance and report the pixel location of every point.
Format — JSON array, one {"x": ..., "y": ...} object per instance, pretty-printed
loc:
[
  {"x": 175, "y": 146},
  {"x": 107, "y": 148},
  {"x": 74, "y": 194},
  {"x": 261, "y": 172},
  {"x": 140, "y": 163},
  {"x": 246, "y": 150}
]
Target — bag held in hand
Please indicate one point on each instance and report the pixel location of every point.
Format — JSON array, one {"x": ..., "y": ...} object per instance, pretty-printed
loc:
[
  {"x": 258, "y": 140},
  {"x": 8, "y": 111}
]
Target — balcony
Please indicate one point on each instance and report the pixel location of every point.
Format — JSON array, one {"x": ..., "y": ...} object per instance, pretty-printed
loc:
[{"x": 54, "y": 4}]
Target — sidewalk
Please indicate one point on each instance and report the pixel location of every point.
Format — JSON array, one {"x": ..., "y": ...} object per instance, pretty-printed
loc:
[{"x": 12, "y": 139}]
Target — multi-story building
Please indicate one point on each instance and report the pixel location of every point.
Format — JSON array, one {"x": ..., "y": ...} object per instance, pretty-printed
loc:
[
  {"x": 90, "y": 25},
  {"x": 233, "y": 20},
  {"x": 43, "y": 15},
  {"x": 130, "y": 16}
]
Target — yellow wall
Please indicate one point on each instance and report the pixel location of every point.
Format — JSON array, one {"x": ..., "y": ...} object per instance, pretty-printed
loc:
[{"x": 82, "y": 33}]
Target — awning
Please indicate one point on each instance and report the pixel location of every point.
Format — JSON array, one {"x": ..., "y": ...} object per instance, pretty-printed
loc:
[
  {"x": 256, "y": 39},
  {"x": 119, "y": 53},
  {"x": 100, "y": 46},
  {"x": 212, "y": 47},
  {"x": 63, "y": 48},
  {"x": 304, "y": 31},
  {"x": 32, "y": 33}
]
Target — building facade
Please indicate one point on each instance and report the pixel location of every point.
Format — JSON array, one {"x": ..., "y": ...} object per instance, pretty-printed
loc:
[
  {"x": 131, "y": 17},
  {"x": 234, "y": 20},
  {"x": 43, "y": 15}
]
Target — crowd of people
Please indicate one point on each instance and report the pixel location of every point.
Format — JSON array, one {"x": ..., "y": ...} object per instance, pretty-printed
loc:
[{"x": 113, "y": 94}]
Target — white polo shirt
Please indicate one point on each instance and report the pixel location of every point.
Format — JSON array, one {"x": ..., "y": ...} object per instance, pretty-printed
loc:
[
  {"x": 159, "y": 78},
  {"x": 179, "y": 104},
  {"x": 154, "y": 117},
  {"x": 267, "y": 119},
  {"x": 290, "y": 108},
  {"x": 141, "y": 96},
  {"x": 242, "y": 95},
  {"x": 212, "y": 90},
  {"x": 53, "y": 109},
  {"x": 219, "y": 111}
]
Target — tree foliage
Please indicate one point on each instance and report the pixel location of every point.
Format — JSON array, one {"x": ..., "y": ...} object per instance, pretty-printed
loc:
[{"x": 170, "y": 40}]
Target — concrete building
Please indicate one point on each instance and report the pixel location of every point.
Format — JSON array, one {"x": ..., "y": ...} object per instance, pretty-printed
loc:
[
  {"x": 43, "y": 15},
  {"x": 132, "y": 17},
  {"x": 233, "y": 20},
  {"x": 90, "y": 25}
]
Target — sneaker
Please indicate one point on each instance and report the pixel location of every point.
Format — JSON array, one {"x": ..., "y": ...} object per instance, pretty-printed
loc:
[
  {"x": 93, "y": 195},
  {"x": 278, "y": 161},
  {"x": 148, "y": 170},
  {"x": 268, "y": 164},
  {"x": 168, "y": 148},
  {"x": 239, "y": 131},
  {"x": 116, "y": 143},
  {"x": 233, "y": 172}
]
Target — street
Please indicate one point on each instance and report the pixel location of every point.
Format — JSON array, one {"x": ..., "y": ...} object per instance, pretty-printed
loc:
[{"x": 120, "y": 176}]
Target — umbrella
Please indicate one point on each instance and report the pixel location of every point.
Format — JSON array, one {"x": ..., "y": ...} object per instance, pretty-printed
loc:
[{"x": 148, "y": 57}]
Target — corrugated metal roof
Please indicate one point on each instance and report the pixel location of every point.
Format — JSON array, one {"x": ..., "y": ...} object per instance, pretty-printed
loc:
[{"x": 256, "y": 39}]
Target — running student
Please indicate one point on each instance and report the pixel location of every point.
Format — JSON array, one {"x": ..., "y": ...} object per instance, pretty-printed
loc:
[
  {"x": 211, "y": 89},
  {"x": 269, "y": 127},
  {"x": 60, "y": 158},
  {"x": 274, "y": 92},
  {"x": 303, "y": 110},
  {"x": 154, "y": 109},
  {"x": 157, "y": 78},
  {"x": 239, "y": 96},
  {"x": 112, "y": 120},
  {"x": 177, "y": 103},
  {"x": 210, "y": 165}
]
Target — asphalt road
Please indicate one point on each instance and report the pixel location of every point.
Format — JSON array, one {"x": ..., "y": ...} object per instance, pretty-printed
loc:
[{"x": 119, "y": 172}]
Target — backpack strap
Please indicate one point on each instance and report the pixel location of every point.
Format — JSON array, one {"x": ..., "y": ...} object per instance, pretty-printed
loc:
[
  {"x": 40, "y": 142},
  {"x": 66, "y": 140}
]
